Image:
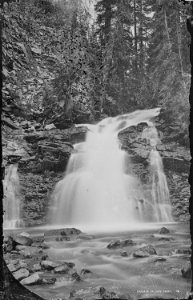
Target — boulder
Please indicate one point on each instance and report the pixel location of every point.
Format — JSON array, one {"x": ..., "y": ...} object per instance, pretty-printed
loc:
[
  {"x": 36, "y": 267},
  {"x": 10, "y": 244},
  {"x": 32, "y": 280},
  {"x": 12, "y": 267},
  {"x": 50, "y": 126},
  {"x": 48, "y": 265},
  {"x": 164, "y": 230},
  {"x": 23, "y": 240},
  {"x": 21, "y": 274},
  {"x": 48, "y": 280},
  {"x": 183, "y": 251},
  {"x": 85, "y": 273},
  {"x": 124, "y": 254},
  {"x": 64, "y": 269},
  {"x": 186, "y": 271},
  {"x": 144, "y": 251},
  {"x": 62, "y": 232},
  {"x": 120, "y": 244},
  {"x": 75, "y": 276}
]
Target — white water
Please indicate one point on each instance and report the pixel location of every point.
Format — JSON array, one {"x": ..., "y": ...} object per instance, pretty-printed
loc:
[
  {"x": 159, "y": 192},
  {"x": 96, "y": 192},
  {"x": 11, "y": 200}
]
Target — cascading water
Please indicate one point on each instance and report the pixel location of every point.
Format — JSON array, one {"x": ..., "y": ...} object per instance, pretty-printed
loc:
[
  {"x": 96, "y": 191},
  {"x": 160, "y": 192},
  {"x": 11, "y": 200}
]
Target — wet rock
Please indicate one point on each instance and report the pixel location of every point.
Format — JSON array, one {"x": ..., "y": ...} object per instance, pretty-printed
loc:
[
  {"x": 25, "y": 234},
  {"x": 85, "y": 273},
  {"x": 75, "y": 276},
  {"x": 31, "y": 280},
  {"x": 159, "y": 259},
  {"x": 23, "y": 240},
  {"x": 10, "y": 244},
  {"x": 124, "y": 253},
  {"x": 120, "y": 244},
  {"x": 20, "y": 247},
  {"x": 64, "y": 269},
  {"x": 186, "y": 271},
  {"x": 145, "y": 251},
  {"x": 50, "y": 126},
  {"x": 48, "y": 265},
  {"x": 63, "y": 233},
  {"x": 48, "y": 280},
  {"x": 164, "y": 230},
  {"x": 44, "y": 257},
  {"x": 36, "y": 267},
  {"x": 70, "y": 264},
  {"x": 104, "y": 294},
  {"x": 12, "y": 267},
  {"x": 183, "y": 251},
  {"x": 21, "y": 274}
]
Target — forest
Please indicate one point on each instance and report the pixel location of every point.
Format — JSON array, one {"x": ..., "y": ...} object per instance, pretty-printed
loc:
[{"x": 62, "y": 63}]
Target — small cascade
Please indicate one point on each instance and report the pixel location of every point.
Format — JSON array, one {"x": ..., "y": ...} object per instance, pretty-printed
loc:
[
  {"x": 11, "y": 200},
  {"x": 98, "y": 191},
  {"x": 159, "y": 192}
]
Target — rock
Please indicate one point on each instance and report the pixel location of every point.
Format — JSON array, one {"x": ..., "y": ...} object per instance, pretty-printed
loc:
[
  {"x": 48, "y": 280},
  {"x": 10, "y": 244},
  {"x": 75, "y": 276},
  {"x": 159, "y": 259},
  {"x": 186, "y": 271},
  {"x": 14, "y": 261},
  {"x": 23, "y": 240},
  {"x": 20, "y": 247},
  {"x": 25, "y": 234},
  {"x": 50, "y": 126},
  {"x": 120, "y": 244},
  {"x": 36, "y": 267},
  {"x": 12, "y": 268},
  {"x": 21, "y": 274},
  {"x": 70, "y": 264},
  {"x": 85, "y": 273},
  {"x": 64, "y": 269},
  {"x": 144, "y": 251},
  {"x": 48, "y": 265},
  {"x": 104, "y": 294},
  {"x": 124, "y": 253},
  {"x": 31, "y": 280},
  {"x": 62, "y": 232},
  {"x": 183, "y": 251},
  {"x": 44, "y": 257},
  {"x": 164, "y": 230}
]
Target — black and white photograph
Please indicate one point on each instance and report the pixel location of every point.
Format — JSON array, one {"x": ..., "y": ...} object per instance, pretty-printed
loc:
[{"x": 96, "y": 149}]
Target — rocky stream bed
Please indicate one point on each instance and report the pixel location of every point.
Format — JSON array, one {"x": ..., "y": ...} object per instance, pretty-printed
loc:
[{"x": 69, "y": 264}]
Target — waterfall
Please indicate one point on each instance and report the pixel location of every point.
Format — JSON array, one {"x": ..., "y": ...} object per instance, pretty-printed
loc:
[
  {"x": 11, "y": 200},
  {"x": 96, "y": 191},
  {"x": 159, "y": 192}
]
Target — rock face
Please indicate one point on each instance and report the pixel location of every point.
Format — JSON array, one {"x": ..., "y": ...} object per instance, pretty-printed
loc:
[
  {"x": 42, "y": 157},
  {"x": 176, "y": 161}
]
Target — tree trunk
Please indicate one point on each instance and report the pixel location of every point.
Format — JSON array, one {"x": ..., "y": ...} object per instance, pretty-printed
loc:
[
  {"x": 135, "y": 37},
  {"x": 178, "y": 30},
  {"x": 141, "y": 60}
]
